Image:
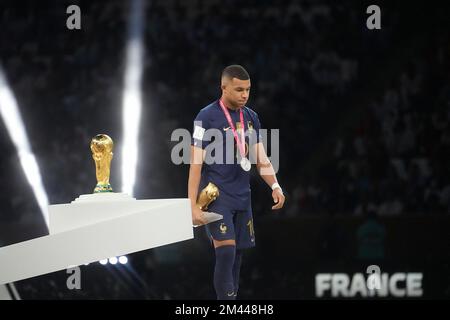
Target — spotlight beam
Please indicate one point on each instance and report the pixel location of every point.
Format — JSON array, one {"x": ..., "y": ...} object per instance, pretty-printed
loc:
[
  {"x": 10, "y": 113},
  {"x": 132, "y": 101}
]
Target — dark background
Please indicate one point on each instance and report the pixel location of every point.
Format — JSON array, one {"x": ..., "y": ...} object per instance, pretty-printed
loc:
[{"x": 364, "y": 134}]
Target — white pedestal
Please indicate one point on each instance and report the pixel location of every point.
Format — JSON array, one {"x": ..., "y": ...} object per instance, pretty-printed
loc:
[{"x": 95, "y": 227}]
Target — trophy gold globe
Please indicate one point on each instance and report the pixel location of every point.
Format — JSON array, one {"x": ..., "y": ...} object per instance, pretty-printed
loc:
[{"x": 101, "y": 147}]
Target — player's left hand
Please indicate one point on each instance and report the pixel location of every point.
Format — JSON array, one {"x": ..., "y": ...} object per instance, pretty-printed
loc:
[{"x": 278, "y": 199}]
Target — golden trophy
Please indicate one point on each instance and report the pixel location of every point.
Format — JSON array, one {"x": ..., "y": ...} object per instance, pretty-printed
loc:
[
  {"x": 207, "y": 195},
  {"x": 101, "y": 147}
]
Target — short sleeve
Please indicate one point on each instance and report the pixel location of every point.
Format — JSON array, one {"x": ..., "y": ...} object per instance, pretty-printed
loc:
[
  {"x": 254, "y": 127},
  {"x": 201, "y": 124},
  {"x": 257, "y": 128}
]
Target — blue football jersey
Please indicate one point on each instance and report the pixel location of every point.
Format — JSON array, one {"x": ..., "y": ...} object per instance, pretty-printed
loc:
[{"x": 221, "y": 165}]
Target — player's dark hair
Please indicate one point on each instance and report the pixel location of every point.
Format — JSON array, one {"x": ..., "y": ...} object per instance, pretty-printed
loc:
[{"x": 235, "y": 71}]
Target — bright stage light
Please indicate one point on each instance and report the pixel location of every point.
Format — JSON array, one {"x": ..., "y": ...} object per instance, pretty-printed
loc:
[
  {"x": 113, "y": 260},
  {"x": 10, "y": 113},
  {"x": 132, "y": 101},
  {"x": 123, "y": 259}
]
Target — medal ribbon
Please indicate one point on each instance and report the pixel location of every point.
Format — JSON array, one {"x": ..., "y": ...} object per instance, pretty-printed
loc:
[{"x": 230, "y": 122}]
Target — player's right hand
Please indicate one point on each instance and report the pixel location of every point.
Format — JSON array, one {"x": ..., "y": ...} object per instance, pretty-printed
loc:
[{"x": 198, "y": 218}]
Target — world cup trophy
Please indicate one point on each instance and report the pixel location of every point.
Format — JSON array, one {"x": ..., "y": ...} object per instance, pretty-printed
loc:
[{"x": 101, "y": 147}]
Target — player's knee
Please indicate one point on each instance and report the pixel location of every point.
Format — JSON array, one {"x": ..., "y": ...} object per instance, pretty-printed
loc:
[{"x": 221, "y": 243}]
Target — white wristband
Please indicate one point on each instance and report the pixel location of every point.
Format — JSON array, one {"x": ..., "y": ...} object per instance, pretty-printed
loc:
[{"x": 276, "y": 185}]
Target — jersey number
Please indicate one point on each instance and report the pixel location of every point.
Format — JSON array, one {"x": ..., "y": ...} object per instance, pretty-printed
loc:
[{"x": 250, "y": 227}]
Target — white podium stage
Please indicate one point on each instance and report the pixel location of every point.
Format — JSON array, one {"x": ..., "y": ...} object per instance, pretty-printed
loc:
[{"x": 95, "y": 227}]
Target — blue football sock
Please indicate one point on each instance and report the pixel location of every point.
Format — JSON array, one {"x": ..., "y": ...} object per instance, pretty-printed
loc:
[
  {"x": 223, "y": 272},
  {"x": 236, "y": 270}
]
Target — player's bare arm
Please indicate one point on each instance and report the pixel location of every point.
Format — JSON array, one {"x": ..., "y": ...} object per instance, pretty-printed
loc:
[
  {"x": 197, "y": 156},
  {"x": 267, "y": 173}
]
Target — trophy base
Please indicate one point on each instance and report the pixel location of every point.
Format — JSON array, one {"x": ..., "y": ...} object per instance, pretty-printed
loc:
[
  {"x": 210, "y": 217},
  {"x": 100, "y": 188}
]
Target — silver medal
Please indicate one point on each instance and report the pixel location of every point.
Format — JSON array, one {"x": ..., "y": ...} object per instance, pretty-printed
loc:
[{"x": 245, "y": 164}]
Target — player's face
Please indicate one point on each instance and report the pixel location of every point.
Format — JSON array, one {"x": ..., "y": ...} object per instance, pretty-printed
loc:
[{"x": 237, "y": 92}]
